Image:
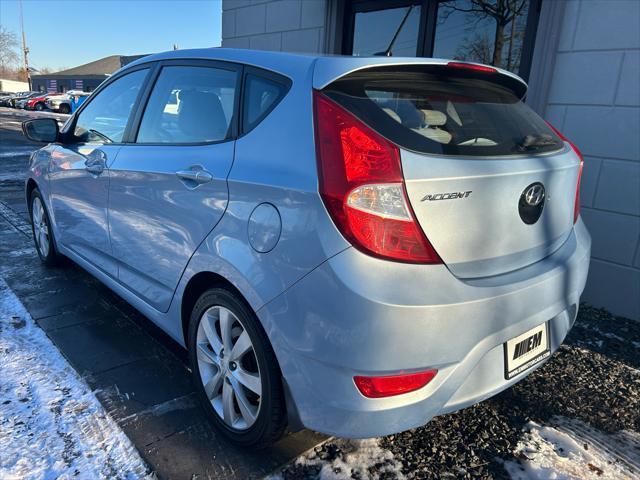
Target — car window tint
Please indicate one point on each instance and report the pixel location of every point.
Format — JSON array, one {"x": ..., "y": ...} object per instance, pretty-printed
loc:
[
  {"x": 261, "y": 95},
  {"x": 105, "y": 118},
  {"x": 189, "y": 105}
]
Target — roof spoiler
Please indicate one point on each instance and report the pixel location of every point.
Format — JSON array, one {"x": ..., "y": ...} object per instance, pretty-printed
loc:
[{"x": 329, "y": 69}]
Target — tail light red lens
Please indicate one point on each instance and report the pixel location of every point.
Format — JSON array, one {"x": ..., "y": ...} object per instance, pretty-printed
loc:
[
  {"x": 380, "y": 387},
  {"x": 362, "y": 187},
  {"x": 576, "y": 205}
]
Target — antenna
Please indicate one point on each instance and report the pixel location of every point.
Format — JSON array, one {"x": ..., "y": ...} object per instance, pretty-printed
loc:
[{"x": 25, "y": 49}]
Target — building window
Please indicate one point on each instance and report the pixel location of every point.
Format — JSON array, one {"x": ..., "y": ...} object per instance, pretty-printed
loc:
[
  {"x": 495, "y": 32},
  {"x": 484, "y": 31},
  {"x": 393, "y": 30}
]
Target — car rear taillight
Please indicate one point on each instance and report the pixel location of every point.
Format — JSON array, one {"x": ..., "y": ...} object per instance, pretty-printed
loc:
[
  {"x": 576, "y": 205},
  {"x": 380, "y": 387},
  {"x": 362, "y": 187}
]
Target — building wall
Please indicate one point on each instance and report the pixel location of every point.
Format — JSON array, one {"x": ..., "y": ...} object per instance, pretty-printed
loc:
[
  {"x": 593, "y": 97},
  {"x": 285, "y": 25},
  {"x": 13, "y": 86},
  {"x": 52, "y": 85}
]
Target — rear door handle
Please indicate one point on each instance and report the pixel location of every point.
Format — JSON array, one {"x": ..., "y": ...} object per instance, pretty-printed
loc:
[{"x": 195, "y": 176}]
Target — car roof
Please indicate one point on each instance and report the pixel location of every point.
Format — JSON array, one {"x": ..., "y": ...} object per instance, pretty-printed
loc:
[{"x": 325, "y": 68}]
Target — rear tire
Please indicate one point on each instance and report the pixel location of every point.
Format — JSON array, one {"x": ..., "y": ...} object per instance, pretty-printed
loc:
[
  {"x": 64, "y": 108},
  {"x": 39, "y": 106},
  {"x": 235, "y": 370},
  {"x": 42, "y": 231}
]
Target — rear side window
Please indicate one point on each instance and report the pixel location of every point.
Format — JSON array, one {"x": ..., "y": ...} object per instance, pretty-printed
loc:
[
  {"x": 435, "y": 110},
  {"x": 189, "y": 104},
  {"x": 261, "y": 94}
]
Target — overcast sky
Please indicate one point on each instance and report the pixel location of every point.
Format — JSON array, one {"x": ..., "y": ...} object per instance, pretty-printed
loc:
[{"x": 70, "y": 33}]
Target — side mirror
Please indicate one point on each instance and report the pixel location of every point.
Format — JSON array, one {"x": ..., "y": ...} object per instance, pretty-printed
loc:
[{"x": 41, "y": 130}]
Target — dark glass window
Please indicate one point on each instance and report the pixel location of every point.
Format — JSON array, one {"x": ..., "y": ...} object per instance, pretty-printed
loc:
[
  {"x": 484, "y": 31},
  {"x": 436, "y": 110},
  {"x": 105, "y": 118},
  {"x": 261, "y": 95},
  {"x": 374, "y": 32},
  {"x": 189, "y": 105}
]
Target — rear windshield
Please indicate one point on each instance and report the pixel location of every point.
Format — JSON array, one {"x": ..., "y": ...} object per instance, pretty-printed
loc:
[{"x": 432, "y": 109}]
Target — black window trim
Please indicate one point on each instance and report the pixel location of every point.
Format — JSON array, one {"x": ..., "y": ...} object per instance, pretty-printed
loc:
[
  {"x": 154, "y": 67},
  {"x": 141, "y": 102},
  {"x": 427, "y": 27},
  {"x": 267, "y": 75}
]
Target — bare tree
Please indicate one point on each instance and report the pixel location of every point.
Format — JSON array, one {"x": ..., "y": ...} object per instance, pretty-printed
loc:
[
  {"x": 503, "y": 12},
  {"x": 9, "y": 57},
  {"x": 477, "y": 49}
]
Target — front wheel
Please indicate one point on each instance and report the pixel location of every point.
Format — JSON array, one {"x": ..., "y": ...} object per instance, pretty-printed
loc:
[
  {"x": 42, "y": 232},
  {"x": 39, "y": 107},
  {"x": 64, "y": 108},
  {"x": 235, "y": 370}
]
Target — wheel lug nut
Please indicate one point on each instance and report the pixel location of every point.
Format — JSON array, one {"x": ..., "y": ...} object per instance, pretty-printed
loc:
[{"x": 232, "y": 366}]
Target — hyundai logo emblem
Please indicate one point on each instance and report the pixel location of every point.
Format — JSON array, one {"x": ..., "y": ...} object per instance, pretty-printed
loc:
[
  {"x": 531, "y": 203},
  {"x": 534, "y": 194}
]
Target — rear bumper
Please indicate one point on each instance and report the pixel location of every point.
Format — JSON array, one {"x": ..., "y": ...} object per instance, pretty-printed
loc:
[{"x": 357, "y": 315}]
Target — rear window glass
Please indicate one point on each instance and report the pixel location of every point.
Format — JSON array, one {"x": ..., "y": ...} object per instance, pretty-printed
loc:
[{"x": 438, "y": 111}]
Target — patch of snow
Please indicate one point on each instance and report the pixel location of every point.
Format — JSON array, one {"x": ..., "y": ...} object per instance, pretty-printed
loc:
[
  {"x": 359, "y": 459},
  {"x": 51, "y": 424},
  {"x": 571, "y": 450}
]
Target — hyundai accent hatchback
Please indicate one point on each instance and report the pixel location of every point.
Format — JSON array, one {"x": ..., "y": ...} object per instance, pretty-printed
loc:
[{"x": 351, "y": 245}]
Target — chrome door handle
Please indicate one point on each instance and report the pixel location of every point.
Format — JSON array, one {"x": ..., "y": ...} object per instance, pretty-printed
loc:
[{"x": 196, "y": 176}]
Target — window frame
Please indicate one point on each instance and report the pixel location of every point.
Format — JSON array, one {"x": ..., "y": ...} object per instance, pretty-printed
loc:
[
  {"x": 286, "y": 82},
  {"x": 428, "y": 23},
  {"x": 68, "y": 136},
  {"x": 144, "y": 100}
]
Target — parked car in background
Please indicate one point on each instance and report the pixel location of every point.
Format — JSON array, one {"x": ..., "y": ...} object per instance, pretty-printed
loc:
[
  {"x": 350, "y": 244},
  {"x": 67, "y": 102},
  {"x": 5, "y": 97},
  {"x": 22, "y": 102},
  {"x": 39, "y": 102},
  {"x": 11, "y": 102}
]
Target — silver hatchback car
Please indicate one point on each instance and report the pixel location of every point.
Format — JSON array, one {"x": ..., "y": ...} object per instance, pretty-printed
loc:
[{"x": 352, "y": 245}]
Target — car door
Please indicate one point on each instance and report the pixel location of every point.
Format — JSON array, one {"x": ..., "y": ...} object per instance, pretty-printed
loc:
[
  {"x": 79, "y": 169},
  {"x": 168, "y": 187}
]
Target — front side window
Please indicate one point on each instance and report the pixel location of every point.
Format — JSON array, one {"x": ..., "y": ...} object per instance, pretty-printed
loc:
[
  {"x": 189, "y": 104},
  {"x": 105, "y": 118}
]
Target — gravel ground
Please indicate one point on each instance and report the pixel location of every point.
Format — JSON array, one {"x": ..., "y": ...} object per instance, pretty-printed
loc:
[{"x": 593, "y": 378}]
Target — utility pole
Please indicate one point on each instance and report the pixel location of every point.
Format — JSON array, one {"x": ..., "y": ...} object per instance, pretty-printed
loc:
[{"x": 25, "y": 49}]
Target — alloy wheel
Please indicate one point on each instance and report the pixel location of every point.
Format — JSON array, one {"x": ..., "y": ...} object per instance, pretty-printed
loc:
[
  {"x": 228, "y": 368},
  {"x": 40, "y": 227}
]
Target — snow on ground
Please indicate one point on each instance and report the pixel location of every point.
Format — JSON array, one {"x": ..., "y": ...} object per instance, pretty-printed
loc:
[
  {"x": 349, "y": 459},
  {"x": 51, "y": 424},
  {"x": 568, "y": 449}
]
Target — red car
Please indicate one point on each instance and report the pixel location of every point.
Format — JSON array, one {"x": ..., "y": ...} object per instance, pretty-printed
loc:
[{"x": 39, "y": 102}]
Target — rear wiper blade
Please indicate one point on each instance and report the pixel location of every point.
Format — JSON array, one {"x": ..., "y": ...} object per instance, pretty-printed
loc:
[{"x": 536, "y": 140}]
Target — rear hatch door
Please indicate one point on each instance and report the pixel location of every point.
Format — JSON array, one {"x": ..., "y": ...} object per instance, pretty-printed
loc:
[{"x": 491, "y": 184}]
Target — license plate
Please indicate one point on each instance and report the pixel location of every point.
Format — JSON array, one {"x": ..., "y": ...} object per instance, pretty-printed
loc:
[{"x": 526, "y": 350}]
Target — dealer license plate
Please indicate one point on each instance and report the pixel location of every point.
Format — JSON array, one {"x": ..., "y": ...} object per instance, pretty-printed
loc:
[{"x": 526, "y": 350}]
